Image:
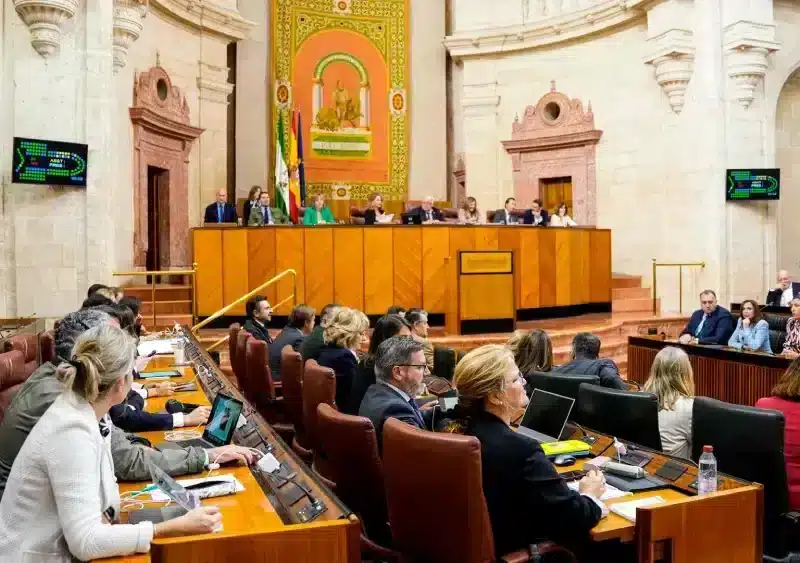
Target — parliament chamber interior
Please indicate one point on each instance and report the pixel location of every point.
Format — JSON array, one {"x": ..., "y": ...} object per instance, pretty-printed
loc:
[{"x": 403, "y": 281}]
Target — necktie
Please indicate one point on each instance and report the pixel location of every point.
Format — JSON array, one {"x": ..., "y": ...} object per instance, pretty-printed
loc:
[
  {"x": 219, "y": 213},
  {"x": 414, "y": 406},
  {"x": 700, "y": 326},
  {"x": 428, "y": 216},
  {"x": 268, "y": 216}
]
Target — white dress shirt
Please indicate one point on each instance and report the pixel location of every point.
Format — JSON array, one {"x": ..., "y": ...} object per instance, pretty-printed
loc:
[{"x": 787, "y": 296}]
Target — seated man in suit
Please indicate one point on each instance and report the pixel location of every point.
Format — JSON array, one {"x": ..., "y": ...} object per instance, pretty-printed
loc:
[
  {"x": 259, "y": 313},
  {"x": 783, "y": 293},
  {"x": 301, "y": 323},
  {"x": 504, "y": 216},
  {"x": 399, "y": 370},
  {"x": 536, "y": 215},
  {"x": 263, "y": 214},
  {"x": 418, "y": 319},
  {"x": 427, "y": 213},
  {"x": 712, "y": 324},
  {"x": 586, "y": 361},
  {"x": 220, "y": 211},
  {"x": 315, "y": 342}
]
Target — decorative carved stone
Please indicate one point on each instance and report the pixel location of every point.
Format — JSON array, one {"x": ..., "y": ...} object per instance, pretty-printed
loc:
[
  {"x": 747, "y": 46},
  {"x": 556, "y": 138},
  {"x": 162, "y": 138},
  {"x": 44, "y": 19},
  {"x": 672, "y": 56},
  {"x": 205, "y": 16},
  {"x": 213, "y": 83},
  {"x": 128, "y": 16}
]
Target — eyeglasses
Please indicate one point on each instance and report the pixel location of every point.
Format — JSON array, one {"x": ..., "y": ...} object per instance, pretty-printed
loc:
[
  {"x": 423, "y": 367},
  {"x": 518, "y": 379}
]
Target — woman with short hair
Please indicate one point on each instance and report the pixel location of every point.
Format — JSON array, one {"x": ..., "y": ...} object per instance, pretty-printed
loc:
[
  {"x": 344, "y": 336},
  {"x": 61, "y": 501},
  {"x": 318, "y": 213},
  {"x": 672, "y": 381},
  {"x": 517, "y": 476}
]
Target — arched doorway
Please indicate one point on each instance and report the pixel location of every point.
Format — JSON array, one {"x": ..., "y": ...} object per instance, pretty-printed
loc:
[{"x": 787, "y": 158}]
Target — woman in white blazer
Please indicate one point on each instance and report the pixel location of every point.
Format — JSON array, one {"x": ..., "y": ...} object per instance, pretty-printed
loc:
[
  {"x": 62, "y": 500},
  {"x": 561, "y": 217}
]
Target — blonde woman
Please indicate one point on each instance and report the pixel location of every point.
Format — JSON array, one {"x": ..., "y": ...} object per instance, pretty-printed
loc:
[
  {"x": 62, "y": 501},
  {"x": 517, "y": 476},
  {"x": 374, "y": 213},
  {"x": 469, "y": 214},
  {"x": 672, "y": 381},
  {"x": 344, "y": 336}
]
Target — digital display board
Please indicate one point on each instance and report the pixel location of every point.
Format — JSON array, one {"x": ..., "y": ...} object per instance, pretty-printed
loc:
[
  {"x": 745, "y": 185},
  {"x": 49, "y": 162}
]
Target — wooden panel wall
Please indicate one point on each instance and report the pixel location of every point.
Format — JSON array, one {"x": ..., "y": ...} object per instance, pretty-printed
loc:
[{"x": 373, "y": 268}]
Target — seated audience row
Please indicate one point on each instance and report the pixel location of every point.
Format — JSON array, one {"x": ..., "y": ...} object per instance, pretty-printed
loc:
[{"x": 536, "y": 215}]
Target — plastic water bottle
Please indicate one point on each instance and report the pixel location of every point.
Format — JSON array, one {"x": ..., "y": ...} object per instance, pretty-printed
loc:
[{"x": 707, "y": 477}]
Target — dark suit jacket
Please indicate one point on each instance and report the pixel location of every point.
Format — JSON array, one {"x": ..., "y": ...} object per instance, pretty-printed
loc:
[
  {"x": 343, "y": 363},
  {"x": 774, "y": 296},
  {"x": 130, "y": 416},
  {"x": 248, "y": 206},
  {"x": 500, "y": 218},
  {"x": 228, "y": 214},
  {"x": 365, "y": 376},
  {"x": 259, "y": 332},
  {"x": 527, "y": 500},
  {"x": 717, "y": 329},
  {"x": 381, "y": 402},
  {"x": 313, "y": 343},
  {"x": 290, "y": 336},
  {"x": 604, "y": 368},
  {"x": 527, "y": 219},
  {"x": 435, "y": 213}
]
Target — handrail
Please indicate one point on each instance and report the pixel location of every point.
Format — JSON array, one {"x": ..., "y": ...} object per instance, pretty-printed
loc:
[
  {"x": 246, "y": 296},
  {"x": 153, "y": 273},
  {"x": 680, "y": 266}
]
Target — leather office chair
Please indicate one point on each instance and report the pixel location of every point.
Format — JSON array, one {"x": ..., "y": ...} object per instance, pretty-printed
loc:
[
  {"x": 239, "y": 364},
  {"x": 319, "y": 386},
  {"x": 233, "y": 334},
  {"x": 566, "y": 385},
  {"x": 748, "y": 443},
  {"x": 462, "y": 531},
  {"x": 444, "y": 362},
  {"x": 292, "y": 379},
  {"x": 627, "y": 415},
  {"x": 12, "y": 376},
  {"x": 352, "y": 450},
  {"x": 777, "y": 331},
  {"x": 47, "y": 346},
  {"x": 28, "y": 344},
  {"x": 264, "y": 398}
]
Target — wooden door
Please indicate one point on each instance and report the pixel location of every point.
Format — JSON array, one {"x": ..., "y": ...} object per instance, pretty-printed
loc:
[
  {"x": 554, "y": 192},
  {"x": 157, "y": 218}
]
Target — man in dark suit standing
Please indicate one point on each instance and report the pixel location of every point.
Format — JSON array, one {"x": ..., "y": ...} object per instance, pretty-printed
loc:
[
  {"x": 259, "y": 313},
  {"x": 220, "y": 211},
  {"x": 399, "y": 370},
  {"x": 504, "y": 216},
  {"x": 301, "y": 323},
  {"x": 784, "y": 292},
  {"x": 586, "y": 361},
  {"x": 427, "y": 213},
  {"x": 536, "y": 215},
  {"x": 712, "y": 324}
]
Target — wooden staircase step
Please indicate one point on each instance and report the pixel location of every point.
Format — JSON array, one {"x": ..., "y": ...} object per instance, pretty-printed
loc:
[
  {"x": 167, "y": 320},
  {"x": 167, "y": 307},
  {"x": 164, "y": 292},
  {"x": 638, "y": 304},
  {"x": 630, "y": 293},
  {"x": 624, "y": 280}
]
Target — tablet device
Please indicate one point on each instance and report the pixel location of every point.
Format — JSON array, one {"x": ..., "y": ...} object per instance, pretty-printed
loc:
[{"x": 159, "y": 374}]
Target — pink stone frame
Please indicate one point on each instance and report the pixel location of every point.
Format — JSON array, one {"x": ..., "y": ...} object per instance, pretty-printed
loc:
[
  {"x": 162, "y": 137},
  {"x": 543, "y": 146}
]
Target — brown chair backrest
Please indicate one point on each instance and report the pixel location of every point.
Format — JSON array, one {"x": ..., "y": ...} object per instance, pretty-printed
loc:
[
  {"x": 259, "y": 377},
  {"x": 28, "y": 345},
  {"x": 355, "y": 466},
  {"x": 233, "y": 335},
  {"x": 452, "y": 468},
  {"x": 12, "y": 375},
  {"x": 319, "y": 386},
  {"x": 240, "y": 365},
  {"x": 47, "y": 346},
  {"x": 292, "y": 386}
]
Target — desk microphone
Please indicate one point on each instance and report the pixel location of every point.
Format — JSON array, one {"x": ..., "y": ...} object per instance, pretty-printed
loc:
[
  {"x": 624, "y": 470},
  {"x": 308, "y": 513}
]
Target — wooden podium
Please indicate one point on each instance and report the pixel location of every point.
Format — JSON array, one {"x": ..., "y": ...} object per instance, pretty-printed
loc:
[{"x": 486, "y": 301}]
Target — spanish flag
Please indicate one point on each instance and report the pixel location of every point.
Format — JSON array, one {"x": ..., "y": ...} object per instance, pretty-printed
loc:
[{"x": 294, "y": 169}]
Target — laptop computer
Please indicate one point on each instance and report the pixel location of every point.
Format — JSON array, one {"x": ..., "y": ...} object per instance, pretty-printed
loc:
[
  {"x": 546, "y": 416},
  {"x": 184, "y": 500},
  {"x": 221, "y": 425}
]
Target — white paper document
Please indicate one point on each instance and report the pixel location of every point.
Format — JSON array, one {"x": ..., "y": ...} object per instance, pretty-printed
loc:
[
  {"x": 208, "y": 492},
  {"x": 611, "y": 492},
  {"x": 159, "y": 346},
  {"x": 628, "y": 509}
]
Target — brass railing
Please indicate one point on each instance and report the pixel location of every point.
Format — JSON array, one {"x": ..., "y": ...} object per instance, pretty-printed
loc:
[
  {"x": 153, "y": 273},
  {"x": 245, "y": 297},
  {"x": 680, "y": 266}
]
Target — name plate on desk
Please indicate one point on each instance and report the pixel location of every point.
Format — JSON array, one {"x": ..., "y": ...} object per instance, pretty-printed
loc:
[{"x": 486, "y": 262}]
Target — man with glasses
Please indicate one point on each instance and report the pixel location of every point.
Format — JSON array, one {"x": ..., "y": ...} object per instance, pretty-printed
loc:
[
  {"x": 712, "y": 324},
  {"x": 259, "y": 313},
  {"x": 399, "y": 369}
]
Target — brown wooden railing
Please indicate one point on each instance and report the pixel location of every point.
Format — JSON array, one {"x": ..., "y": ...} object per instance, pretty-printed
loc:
[{"x": 680, "y": 266}]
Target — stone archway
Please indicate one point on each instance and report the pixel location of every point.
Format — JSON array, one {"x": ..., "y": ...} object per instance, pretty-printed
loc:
[
  {"x": 162, "y": 139},
  {"x": 556, "y": 138}
]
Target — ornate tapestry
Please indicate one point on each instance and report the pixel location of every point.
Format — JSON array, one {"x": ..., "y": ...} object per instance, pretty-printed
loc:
[{"x": 344, "y": 65}]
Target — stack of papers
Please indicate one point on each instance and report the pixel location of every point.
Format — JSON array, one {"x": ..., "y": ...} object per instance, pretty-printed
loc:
[
  {"x": 219, "y": 490},
  {"x": 157, "y": 346},
  {"x": 628, "y": 509}
]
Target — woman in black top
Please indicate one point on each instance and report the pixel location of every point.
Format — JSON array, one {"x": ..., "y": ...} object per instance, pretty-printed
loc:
[
  {"x": 343, "y": 337},
  {"x": 386, "y": 327},
  {"x": 252, "y": 199},
  {"x": 528, "y": 501},
  {"x": 374, "y": 209}
]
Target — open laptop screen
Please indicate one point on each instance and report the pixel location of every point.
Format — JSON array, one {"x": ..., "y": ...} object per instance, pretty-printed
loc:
[
  {"x": 222, "y": 421},
  {"x": 547, "y": 413}
]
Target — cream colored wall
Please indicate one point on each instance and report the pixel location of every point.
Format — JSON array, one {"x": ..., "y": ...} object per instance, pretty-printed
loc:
[{"x": 788, "y": 160}]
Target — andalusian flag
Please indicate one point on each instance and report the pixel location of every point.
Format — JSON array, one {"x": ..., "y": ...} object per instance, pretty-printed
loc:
[
  {"x": 281, "y": 172},
  {"x": 294, "y": 173}
]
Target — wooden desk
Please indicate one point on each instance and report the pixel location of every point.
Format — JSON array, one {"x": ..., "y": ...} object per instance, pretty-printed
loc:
[
  {"x": 257, "y": 524},
  {"x": 721, "y": 373},
  {"x": 374, "y": 267}
]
